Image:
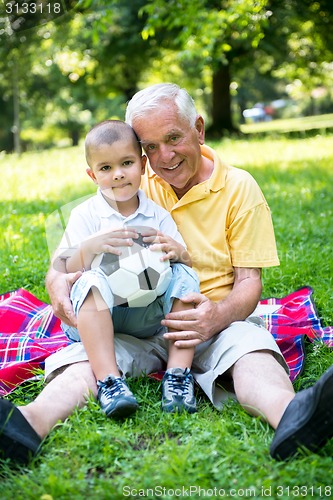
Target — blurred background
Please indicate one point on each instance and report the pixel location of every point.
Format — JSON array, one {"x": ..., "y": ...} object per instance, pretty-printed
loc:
[{"x": 69, "y": 64}]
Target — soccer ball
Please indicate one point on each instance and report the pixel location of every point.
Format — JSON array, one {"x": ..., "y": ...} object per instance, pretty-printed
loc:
[{"x": 137, "y": 276}]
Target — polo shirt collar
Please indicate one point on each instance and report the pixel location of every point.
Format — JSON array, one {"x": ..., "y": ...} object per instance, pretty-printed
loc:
[
  {"x": 105, "y": 210},
  {"x": 215, "y": 182}
]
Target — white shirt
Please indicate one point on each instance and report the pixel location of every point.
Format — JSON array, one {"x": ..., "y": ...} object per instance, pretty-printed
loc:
[{"x": 95, "y": 214}]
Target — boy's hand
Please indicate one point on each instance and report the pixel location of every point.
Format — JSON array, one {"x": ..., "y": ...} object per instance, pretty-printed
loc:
[
  {"x": 174, "y": 251},
  {"x": 108, "y": 242}
]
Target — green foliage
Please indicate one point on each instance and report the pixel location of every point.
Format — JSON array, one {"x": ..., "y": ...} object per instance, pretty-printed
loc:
[
  {"x": 70, "y": 72},
  {"x": 214, "y": 35},
  {"x": 83, "y": 66},
  {"x": 89, "y": 456},
  {"x": 212, "y": 29},
  {"x": 248, "y": 47}
]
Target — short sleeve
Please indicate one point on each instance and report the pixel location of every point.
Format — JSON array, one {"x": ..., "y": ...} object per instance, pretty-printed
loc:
[{"x": 251, "y": 239}]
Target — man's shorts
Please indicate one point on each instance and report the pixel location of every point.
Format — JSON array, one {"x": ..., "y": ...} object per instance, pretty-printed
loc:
[
  {"x": 141, "y": 322},
  {"x": 136, "y": 357}
]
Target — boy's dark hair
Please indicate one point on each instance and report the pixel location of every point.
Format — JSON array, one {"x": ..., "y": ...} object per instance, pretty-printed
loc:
[{"x": 108, "y": 132}]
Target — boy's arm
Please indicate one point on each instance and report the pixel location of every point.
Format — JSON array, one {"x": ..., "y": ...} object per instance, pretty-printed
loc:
[
  {"x": 73, "y": 259},
  {"x": 80, "y": 257},
  {"x": 80, "y": 260}
]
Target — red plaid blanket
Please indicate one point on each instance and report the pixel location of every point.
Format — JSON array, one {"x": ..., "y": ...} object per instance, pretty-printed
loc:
[{"x": 29, "y": 332}]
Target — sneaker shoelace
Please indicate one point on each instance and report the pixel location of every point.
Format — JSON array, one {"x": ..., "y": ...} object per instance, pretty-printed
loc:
[
  {"x": 179, "y": 385},
  {"x": 115, "y": 387},
  {"x": 187, "y": 385}
]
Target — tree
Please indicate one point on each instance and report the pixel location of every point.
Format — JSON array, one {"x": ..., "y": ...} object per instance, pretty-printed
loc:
[
  {"x": 83, "y": 64},
  {"x": 277, "y": 37},
  {"x": 223, "y": 34}
]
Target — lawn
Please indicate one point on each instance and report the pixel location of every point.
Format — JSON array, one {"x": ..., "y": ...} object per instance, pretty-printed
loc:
[
  {"x": 300, "y": 126},
  {"x": 155, "y": 455}
]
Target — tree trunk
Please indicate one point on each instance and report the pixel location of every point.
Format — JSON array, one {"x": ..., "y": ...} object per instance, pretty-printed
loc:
[
  {"x": 221, "y": 102},
  {"x": 75, "y": 137},
  {"x": 16, "y": 106}
]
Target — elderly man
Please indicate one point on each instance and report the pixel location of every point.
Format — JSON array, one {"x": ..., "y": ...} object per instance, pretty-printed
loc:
[{"x": 226, "y": 224}]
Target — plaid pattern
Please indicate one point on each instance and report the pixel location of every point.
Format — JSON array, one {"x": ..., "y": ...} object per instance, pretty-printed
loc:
[
  {"x": 295, "y": 321},
  {"x": 29, "y": 332}
]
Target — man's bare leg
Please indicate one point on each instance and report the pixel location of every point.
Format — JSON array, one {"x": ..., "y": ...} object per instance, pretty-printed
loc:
[
  {"x": 301, "y": 421},
  {"x": 60, "y": 397},
  {"x": 262, "y": 386}
]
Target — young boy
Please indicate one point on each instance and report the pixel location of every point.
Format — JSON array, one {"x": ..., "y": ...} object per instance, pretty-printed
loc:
[{"x": 103, "y": 223}]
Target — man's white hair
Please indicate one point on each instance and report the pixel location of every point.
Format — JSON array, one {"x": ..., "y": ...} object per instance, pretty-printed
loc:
[{"x": 150, "y": 98}]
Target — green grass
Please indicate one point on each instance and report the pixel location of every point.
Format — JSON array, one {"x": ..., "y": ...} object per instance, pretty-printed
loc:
[
  {"x": 301, "y": 126},
  {"x": 90, "y": 457}
]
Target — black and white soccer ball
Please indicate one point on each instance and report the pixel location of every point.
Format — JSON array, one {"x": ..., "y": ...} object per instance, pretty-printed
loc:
[{"x": 137, "y": 276}]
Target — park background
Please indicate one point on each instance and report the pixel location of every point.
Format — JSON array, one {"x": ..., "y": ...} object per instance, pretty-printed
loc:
[{"x": 261, "y": 74}]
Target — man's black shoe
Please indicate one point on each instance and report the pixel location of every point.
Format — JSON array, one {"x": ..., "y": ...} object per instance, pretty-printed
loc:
[
  {"x": 308, "y": 420},
  {"x": 18, "y": 440}
]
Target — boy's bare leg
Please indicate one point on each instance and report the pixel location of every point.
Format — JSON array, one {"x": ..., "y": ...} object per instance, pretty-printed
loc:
[
  {"x": 96, "y": 331},
  {"x": 60, "y": 397},
  {"x": 95, "y": 327},
  {"x": 178, "y": 383},
  {"x": 179, "y": 358}
]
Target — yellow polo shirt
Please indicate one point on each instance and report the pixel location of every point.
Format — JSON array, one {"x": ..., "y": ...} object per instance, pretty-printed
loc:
[{"x": 225, "y": 222}]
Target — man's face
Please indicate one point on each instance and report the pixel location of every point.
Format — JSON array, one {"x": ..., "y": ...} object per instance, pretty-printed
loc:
[{"x": 172, "y": 146}]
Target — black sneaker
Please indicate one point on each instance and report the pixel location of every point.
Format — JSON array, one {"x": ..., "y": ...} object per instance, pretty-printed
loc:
[
  {"x": 308, "y": 420},
  {"x": 178, "y": 391},
  {"x": 18, "y": 440},
  {"x": 115, "y": 398}
]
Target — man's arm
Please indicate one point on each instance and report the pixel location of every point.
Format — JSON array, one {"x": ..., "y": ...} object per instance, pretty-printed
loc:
[
  {"x": 207, "y": 318},
  {"x": 58, "y": 285}
]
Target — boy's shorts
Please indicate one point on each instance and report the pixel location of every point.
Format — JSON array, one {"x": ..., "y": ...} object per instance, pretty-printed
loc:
[
  {"x": 140, "y": 322},
  {"x": 212, "y": 359}
]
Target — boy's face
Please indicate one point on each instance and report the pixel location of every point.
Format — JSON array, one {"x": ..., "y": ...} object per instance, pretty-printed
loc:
[{"x": 117, "y": 170}]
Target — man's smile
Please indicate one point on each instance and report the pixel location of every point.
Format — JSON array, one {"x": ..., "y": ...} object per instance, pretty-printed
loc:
[{"x": 173, "y": 167}]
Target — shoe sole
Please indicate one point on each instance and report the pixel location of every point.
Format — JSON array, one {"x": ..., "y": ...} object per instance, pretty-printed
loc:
[
  {"x": 180, "y": 408},
  {"x": 122, "y": 409},
  {"x": 318, "y": 427}
]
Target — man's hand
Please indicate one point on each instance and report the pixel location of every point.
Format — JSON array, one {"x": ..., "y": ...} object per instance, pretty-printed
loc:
[
  {"x": 208, "y": 318},
  {"x": 58, "y": 286},
  {"x": 196, "y": 325}
]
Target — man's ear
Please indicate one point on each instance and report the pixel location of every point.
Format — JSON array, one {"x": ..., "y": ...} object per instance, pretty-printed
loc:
[
  {"x": 200, "y": 127},
  {"x": 91, "y": 175},
  {"x": 143, "y": 164}
]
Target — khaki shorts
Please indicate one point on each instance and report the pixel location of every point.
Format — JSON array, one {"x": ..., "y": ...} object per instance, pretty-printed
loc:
[{"x": 136, "y": 357}]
